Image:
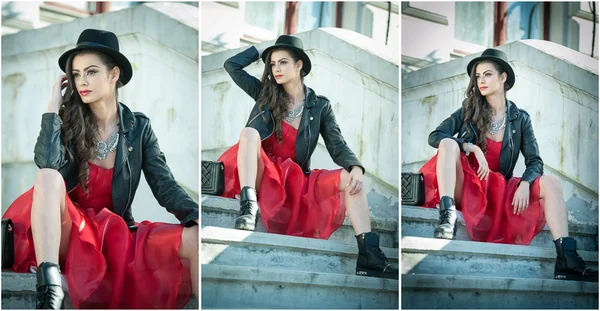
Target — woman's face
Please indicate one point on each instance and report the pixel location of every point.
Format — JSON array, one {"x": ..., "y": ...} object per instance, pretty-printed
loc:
[
  {"x": 283, "y": 67},
  {"x": 489, "y": 81},
  {"x": 92, "y": 78}
]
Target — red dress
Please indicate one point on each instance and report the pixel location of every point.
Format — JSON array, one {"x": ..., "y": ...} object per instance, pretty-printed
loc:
[
  {"x": 487, "y": 205},
  {"x": 291, "y": 203},
  {"x": 106, "y": 266}
]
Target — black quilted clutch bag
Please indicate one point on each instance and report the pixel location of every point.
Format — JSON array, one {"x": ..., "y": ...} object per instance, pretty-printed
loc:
[
  {"x": 213, "y": 178},
  {"x": 8, "y": 244},
  {"x": 413, "y": 189}
]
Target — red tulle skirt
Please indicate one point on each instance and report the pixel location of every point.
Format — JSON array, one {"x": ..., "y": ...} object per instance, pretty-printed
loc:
[
  {"x": 291, "y": 203},
  {"x": 487, "y": 205},
  {"x": 106, "y": 266}
]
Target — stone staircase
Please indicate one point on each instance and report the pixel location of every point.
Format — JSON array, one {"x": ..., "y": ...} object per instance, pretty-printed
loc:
[
  {"x": 244, "y": 269},
  {"x": 473, "y": 275},
  {"x": 18, "y": 292}
]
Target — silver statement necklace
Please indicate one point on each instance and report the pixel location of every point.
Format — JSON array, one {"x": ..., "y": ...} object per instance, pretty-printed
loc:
[
  {"x": 103, "y": 148},
  {"x": 293, "y": 114},
  {"x": 496, "y": 126}
]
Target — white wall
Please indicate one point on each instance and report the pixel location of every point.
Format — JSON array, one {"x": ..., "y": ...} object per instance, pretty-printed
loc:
[{"x": 161, "y": 41}]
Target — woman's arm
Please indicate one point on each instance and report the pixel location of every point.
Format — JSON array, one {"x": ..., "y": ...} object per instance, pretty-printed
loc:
[
  {"x": 447, "y": 129},
  {"x": 165, "y": 188},
  {"x": 235, "y": 68},
  {"x": 335, "y": 143},
  {"x": 49, "y": 151},
  {"x": 534, "y": 166}
]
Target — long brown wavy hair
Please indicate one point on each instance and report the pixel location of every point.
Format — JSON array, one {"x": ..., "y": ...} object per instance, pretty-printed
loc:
[
  {"x": 79, "y": 125},
  {"x": 477, "y": 109},
  {"x": 274, "y": 95}
]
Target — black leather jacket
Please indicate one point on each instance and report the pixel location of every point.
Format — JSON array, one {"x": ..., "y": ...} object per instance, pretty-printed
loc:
[
  {"x": 518, "y": 135},
  {"x": 137, "y": 150},
  {"x": 317, "y": 118}
]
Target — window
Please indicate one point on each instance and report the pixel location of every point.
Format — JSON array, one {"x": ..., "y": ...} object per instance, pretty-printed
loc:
[
  {"x": 474, "y": 22},
  {"x": 524, "y": 21}
]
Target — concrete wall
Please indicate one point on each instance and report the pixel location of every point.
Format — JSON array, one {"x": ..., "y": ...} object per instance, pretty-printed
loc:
[
  {"x": 557, "y": 86},
  {"x": 161, "y": 41},
  {"x": 360, "y": 78}
]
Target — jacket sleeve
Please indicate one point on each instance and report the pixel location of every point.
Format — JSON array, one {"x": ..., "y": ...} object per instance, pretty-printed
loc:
[
  {"x": 534, "y": 166},
  {"x": 235, "y": 68},
  {"x": 165, "y": 188},
  {"x": 447, "y": 129},
  {"x": 335, "y": 143},
  {"x": 49, "y": 151}
]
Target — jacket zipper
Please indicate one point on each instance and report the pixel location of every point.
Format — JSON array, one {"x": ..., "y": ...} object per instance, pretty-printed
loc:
[
  {"x": 129, "y": 193},
  {"x": 257, "y": 117},
  {"x": 474, "y": 132},
  {"x": 510, "y": 143},
  {"x": 308, "y": 145},
  {"x": 258, "y": 114}
]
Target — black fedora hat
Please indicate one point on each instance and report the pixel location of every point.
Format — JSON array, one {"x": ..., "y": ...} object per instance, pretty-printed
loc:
[
  {"x": 101, "y": 41},
  {"x": 496, "y": 56},
  {"x": 291, "y": 43}
]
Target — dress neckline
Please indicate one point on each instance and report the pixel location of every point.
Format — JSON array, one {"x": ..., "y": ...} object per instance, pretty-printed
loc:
[
  {"x": 489, "y": 139},
  {"x": 289, "y": 125},
  {"x": 100, "y": 167}
]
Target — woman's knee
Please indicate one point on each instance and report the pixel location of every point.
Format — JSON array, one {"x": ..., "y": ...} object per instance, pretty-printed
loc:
[
  {"x": 189, "y": 242},
  {"x": 249, "y": 135},
  {"x": 550, "y": 184},
  {"x": 48, "y": 179},
  {"x": 449, "y": 145}
]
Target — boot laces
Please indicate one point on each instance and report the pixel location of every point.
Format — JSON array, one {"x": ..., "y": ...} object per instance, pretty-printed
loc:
[
  {"x": 380, "y": 254},
  {"x": 246, "y": 207},
  {"x": 48, "y": 294},
  {"x": 445, "y": 216}
]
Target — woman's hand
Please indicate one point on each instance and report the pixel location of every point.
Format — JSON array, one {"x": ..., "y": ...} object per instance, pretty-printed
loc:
[
  {"x": 484, "y": 170},
  {"x": 355, "y": 182},
  {"x": 520, "y": 201},
  {"x": 57, "y": 98}
]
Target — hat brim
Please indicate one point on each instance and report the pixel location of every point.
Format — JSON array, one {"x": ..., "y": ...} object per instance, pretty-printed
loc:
[
  {"x": 122, "y": 61},
  {"x": 306, "y": 66},
  {"x": 510, "y": 80}
]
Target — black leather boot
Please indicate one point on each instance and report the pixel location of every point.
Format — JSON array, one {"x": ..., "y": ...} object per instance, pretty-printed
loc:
[
  {"x": 446, "y": 229},
  {"x": 50, "y": 294},
  {"x": 371, "y": 260},
  {"x": 569, "y": 265},
  {"x": 248, "y": 209}
]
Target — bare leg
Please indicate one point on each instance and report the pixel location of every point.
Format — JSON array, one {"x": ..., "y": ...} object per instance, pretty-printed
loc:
[
  {"x": 554, "y": 206},
  {"x": 250, "y": 166},
  {"x": 450, "y": 176},
  {"x": 190, "y": 250},
  {"x": 356, "y": 205},
  {"x": 50, "y": 220}
]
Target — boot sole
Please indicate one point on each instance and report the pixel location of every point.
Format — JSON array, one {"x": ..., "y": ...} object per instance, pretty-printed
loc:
[
  {"x": 243, "y": 226},
  {"x": 445, "y": 235},
  {"x": 376, "y": 274},
  {"x": 575, "y": 277}
]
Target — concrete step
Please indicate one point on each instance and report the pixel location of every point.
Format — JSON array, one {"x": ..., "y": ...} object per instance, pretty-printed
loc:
[
  {"x": 425, "y": 291},
  {"x": 437, "y": 256},
  {"x": 19, "y": 292},
  {"x": 238, "y": 287},
  {"x": 232, "y": 247},
  {"x": 221, "y": 212},
  {"x": 420, "y": 222}
]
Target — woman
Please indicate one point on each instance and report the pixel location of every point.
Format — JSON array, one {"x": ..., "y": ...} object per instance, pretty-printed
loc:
[
  {"x": 477, "y": 167},
  {"x": 273, "y": 157},
  {"x": 77, "y": 217}
]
